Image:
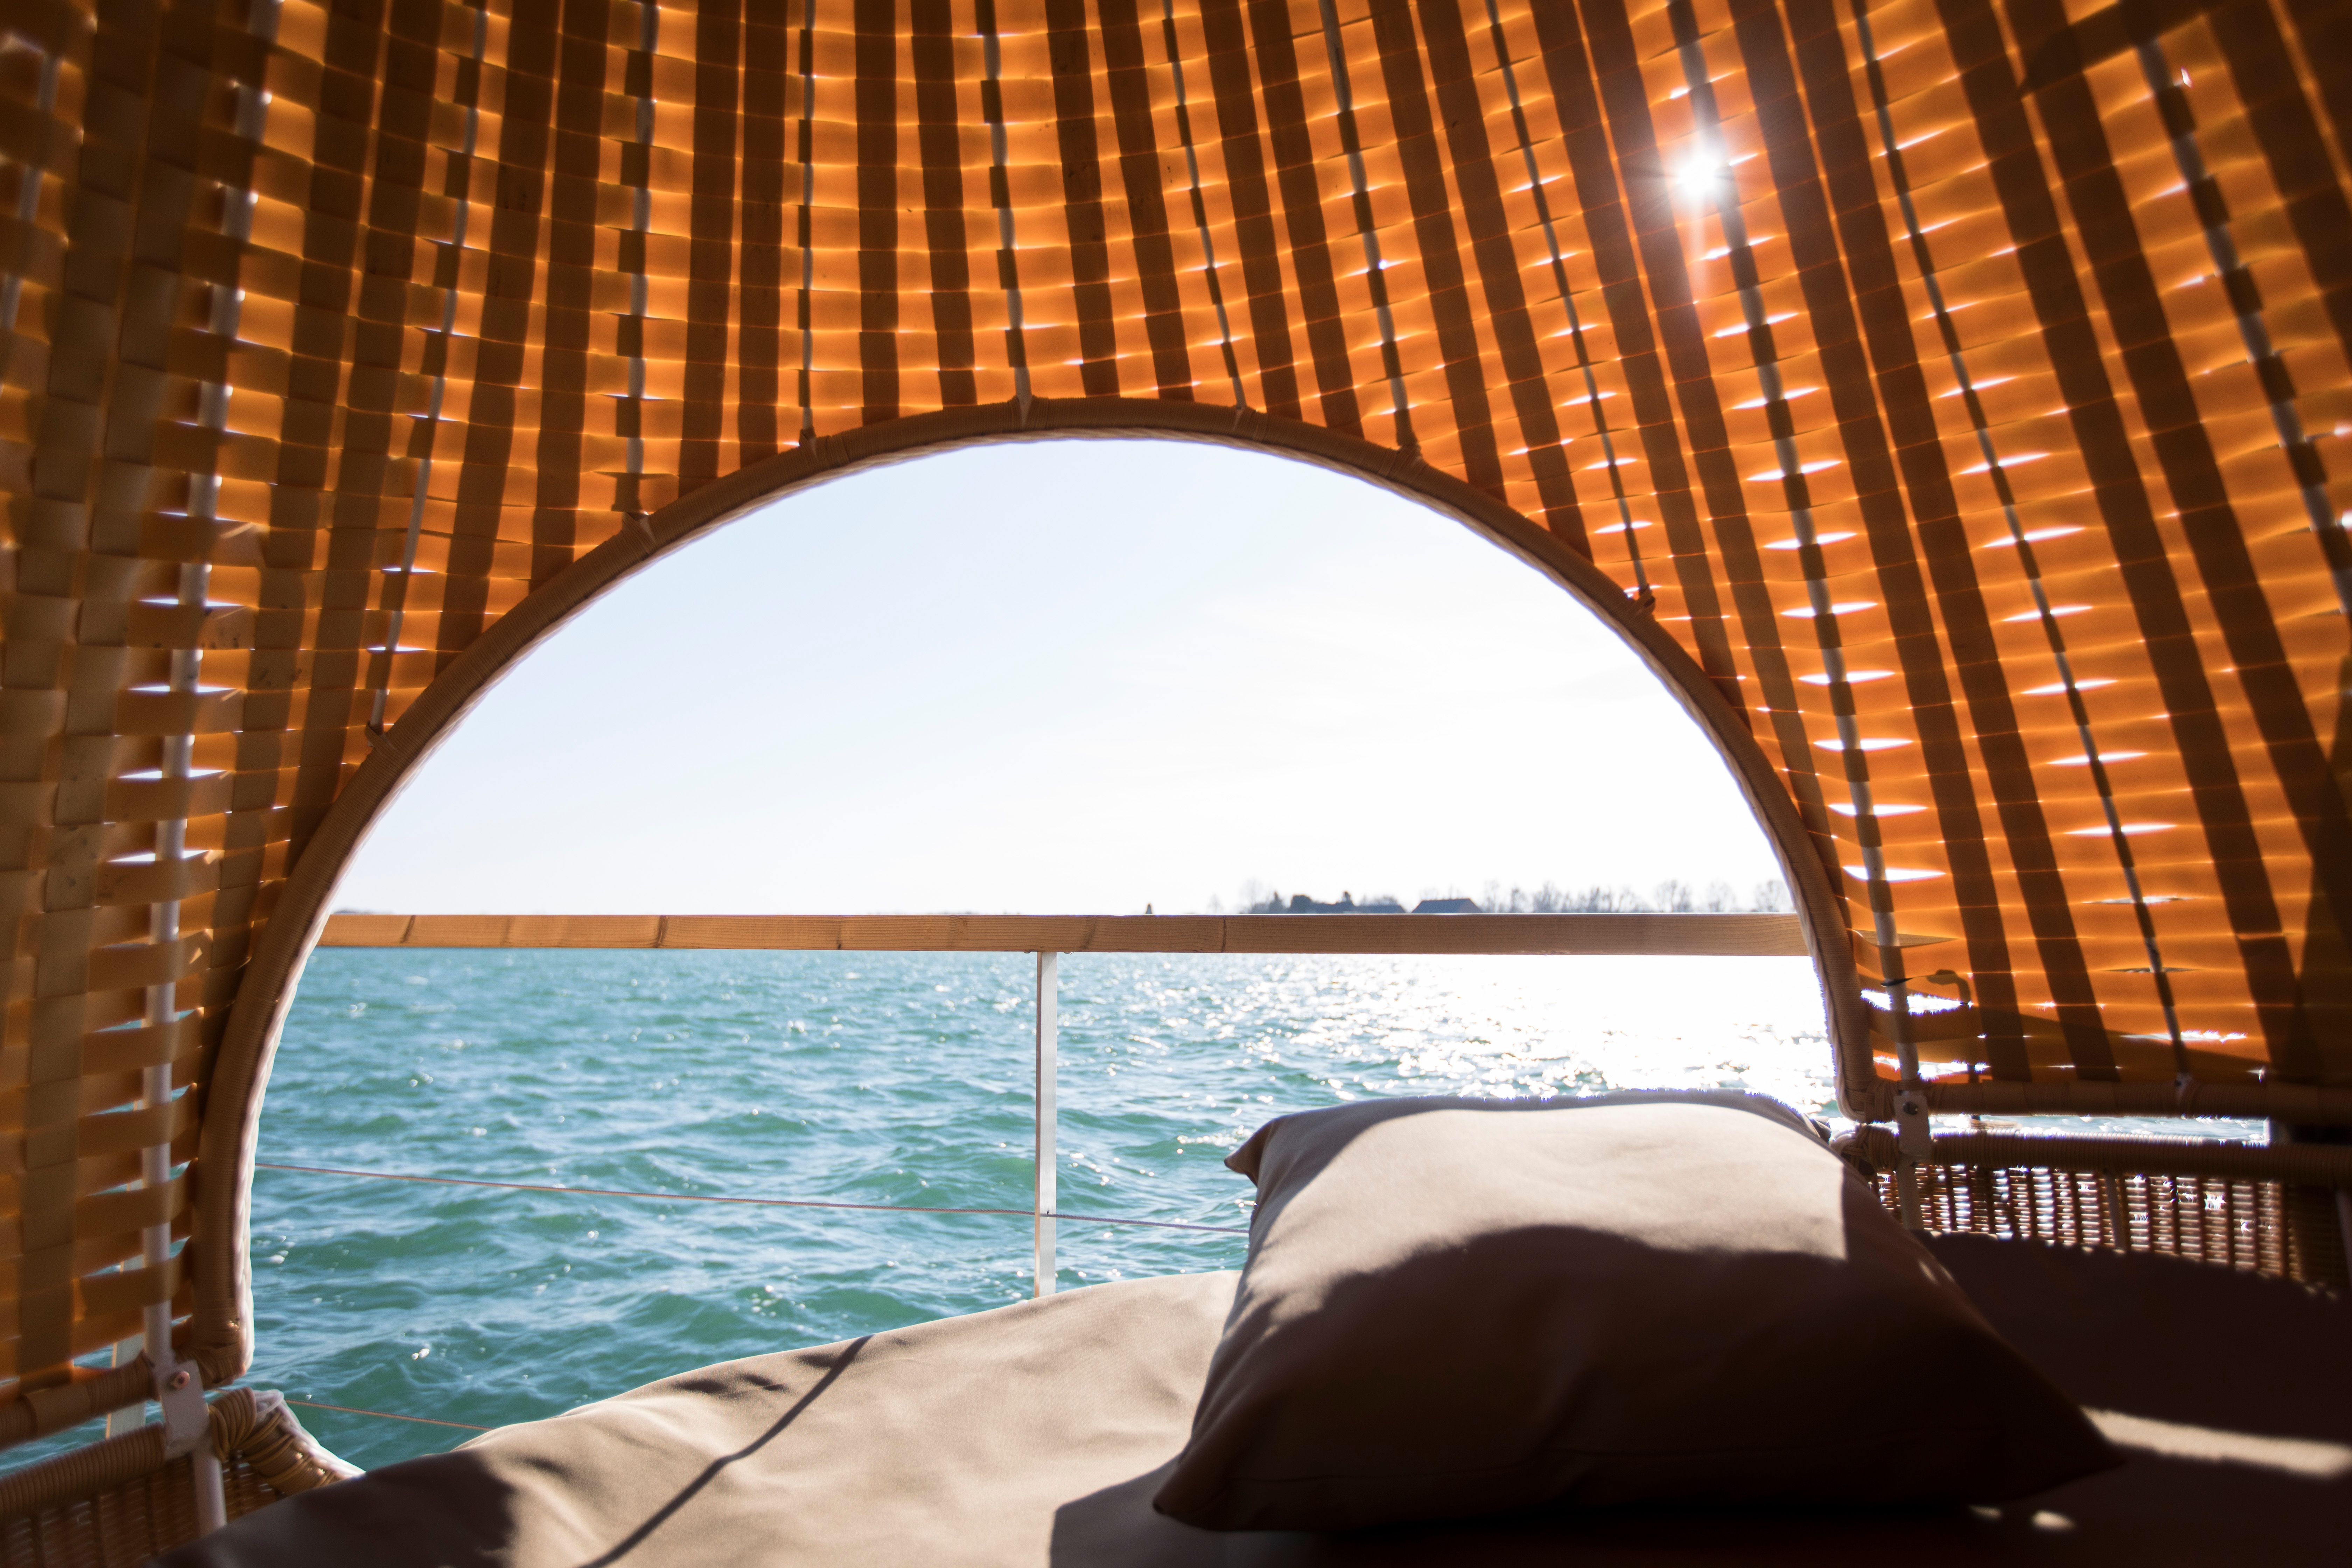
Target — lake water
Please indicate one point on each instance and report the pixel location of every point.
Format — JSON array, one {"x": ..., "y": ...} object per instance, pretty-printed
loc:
[{"x": 900, "y": 1078}]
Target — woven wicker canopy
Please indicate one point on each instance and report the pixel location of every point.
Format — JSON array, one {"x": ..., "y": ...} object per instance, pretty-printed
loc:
[{"x": 1945, "y": 396}]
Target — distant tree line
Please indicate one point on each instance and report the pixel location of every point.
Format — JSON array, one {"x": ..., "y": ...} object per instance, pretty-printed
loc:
[{"x": 1672, "y": 896}]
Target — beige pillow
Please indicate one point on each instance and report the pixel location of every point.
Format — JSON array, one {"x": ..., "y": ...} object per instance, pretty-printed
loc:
[{"x": 1457, "y": 1307}]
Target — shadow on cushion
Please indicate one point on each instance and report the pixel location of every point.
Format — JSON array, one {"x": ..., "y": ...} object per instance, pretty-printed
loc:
[
  {"x": 2207, "y": 1356},
  {"x": 1038, "y": 1434},
  {"x": 1453, "y": 1384},
  {"x": 1455, "y": 1307}
]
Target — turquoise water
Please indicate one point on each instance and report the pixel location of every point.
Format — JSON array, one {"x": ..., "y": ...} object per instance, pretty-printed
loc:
[
  {"x": 868, "y": 1077},
  {"x": 860, "y": 1078}
]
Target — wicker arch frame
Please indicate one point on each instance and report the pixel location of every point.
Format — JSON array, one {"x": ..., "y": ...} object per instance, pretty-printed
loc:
[{"x": 221, "y": 1338}]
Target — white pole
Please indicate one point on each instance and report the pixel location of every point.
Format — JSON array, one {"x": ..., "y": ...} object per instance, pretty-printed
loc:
[
  {"x": 179, "y": 1391},
  {"x": 131, "y": 1417},
  {"x": 1048, "y": 984},
  {"x": 212, "y": 1501}
]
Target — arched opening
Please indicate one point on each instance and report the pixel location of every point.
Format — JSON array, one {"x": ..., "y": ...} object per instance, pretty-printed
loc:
[{"x": 550, "y": 1059}]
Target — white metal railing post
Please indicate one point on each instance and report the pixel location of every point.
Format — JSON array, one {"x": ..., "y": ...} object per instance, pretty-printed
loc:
[
  {"x": 1048, "y": 1022},
  {"x": 178, "y": 1391}
]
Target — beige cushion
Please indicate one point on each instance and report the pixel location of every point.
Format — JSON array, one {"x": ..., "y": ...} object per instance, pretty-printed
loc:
[
  {"x": 1454, "y": 1307},
  {"x": 1035, "y": 1436}
]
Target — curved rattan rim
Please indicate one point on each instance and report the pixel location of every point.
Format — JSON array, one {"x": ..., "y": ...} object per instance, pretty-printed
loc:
[{"x": 221, "y": 1336}]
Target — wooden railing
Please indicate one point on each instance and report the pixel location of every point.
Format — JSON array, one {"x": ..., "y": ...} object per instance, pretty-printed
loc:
[{"x": 1690, "y": 935}]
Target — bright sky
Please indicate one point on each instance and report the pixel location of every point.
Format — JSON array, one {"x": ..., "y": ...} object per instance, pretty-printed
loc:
[{"x": 1068, "y": 677}]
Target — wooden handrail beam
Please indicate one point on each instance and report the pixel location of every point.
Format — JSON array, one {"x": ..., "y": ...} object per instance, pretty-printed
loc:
[{"x": 1690, "y": 935}]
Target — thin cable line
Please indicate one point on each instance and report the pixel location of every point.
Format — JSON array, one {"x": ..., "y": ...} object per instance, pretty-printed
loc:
[
  {"x": 807, "y": 231},
  {"x": 427, "y": 431},
  {"x": 630, "y": 412},
  {"x": 1000, "y": 197},
  {"x": 1200, "y": 206},
  {"x": 2246, "y": 304},
  {"x": 1722, "y": 192},
  {"x": 1642, "y": 589},
  {"x": 1375, "y": 282},
  {"x": 388, "y": 1415},
  {"x": 763, "y": 1202}
]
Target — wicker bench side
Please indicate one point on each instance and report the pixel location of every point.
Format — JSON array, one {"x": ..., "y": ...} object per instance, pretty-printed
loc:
[
  {"x": 2275, "y": 1209},
  {"x": 121, "y": 1501}
]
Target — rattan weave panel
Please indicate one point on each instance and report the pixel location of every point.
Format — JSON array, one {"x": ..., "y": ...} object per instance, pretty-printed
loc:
[
  {"x": 128, "y": 1524},
  {"x": 2241, "y": 1224}
]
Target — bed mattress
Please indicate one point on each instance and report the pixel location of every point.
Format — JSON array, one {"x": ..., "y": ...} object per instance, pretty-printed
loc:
[{"x": 1035, "y": 1436}]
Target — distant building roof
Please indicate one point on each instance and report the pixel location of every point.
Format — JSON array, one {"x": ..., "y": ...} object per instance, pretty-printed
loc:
[
  {"x": 1302, "y": 904},
  {"x": 1448, "y": 907}
]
